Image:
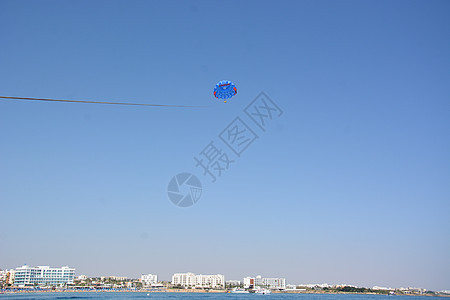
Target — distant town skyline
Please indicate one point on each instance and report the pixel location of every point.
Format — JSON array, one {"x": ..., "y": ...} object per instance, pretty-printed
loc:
[{"x": 182, "y": 279}]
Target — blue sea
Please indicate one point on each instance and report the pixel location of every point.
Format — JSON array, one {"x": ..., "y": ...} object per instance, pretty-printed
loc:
[{"x": 143, "y": 295}]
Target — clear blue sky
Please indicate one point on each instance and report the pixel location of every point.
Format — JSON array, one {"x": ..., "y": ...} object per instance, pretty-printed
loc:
[{"x": 350, "y": 185}]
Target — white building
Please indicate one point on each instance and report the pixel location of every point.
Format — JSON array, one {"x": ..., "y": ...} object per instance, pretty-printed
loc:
[
  {"x": 274, "y": 283},
  {"x": 249, "y": 282},
  {"x": 377, "y": 288},
  {"x": 198, "y": 281},
  {"x": 149, "y": 279},
  {"x": 118, "y": 278},
  {"x": 212, "y": 281},
  {"x": 271, "y": 283},
  {"x": 231, "y": 283},
  {"x": 293, "y": 287},
  {"x": 43, "y": 275},
  {"x": 82, "y": 277},
  {"x": 184, "y": 279}
]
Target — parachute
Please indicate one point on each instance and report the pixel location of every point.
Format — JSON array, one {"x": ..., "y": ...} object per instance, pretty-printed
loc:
[{"x": 225, "y": 89}]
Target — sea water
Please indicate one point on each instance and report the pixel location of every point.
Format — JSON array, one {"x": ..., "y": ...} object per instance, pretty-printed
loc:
[{"x": 225, "y": 296}]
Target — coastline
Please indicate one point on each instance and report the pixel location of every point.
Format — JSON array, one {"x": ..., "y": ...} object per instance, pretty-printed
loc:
[{"x": 193, "y": 291}]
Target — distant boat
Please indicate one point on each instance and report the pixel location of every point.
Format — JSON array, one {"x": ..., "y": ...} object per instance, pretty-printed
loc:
[
  {"x": 263, "y": 291},
  {"x": 238, "y": 291}
]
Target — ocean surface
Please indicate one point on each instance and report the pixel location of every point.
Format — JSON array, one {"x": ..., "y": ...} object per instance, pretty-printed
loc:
[{"x": 143, "y": 295}]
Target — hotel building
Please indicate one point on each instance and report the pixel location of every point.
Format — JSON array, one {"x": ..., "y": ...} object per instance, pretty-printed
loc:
[
  {"x": 198, "y": 281},
  {"x": 43, "y": 275},
  {"x": 233, "y": 283},
  {"x": 271, "y": 283},
  {"x": 184, "y": 279},
  {"x": 149, "y": 279}
]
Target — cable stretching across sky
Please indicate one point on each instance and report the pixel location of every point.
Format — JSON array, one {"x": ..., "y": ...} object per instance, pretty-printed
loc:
[{"x": 98, "y": 102}]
